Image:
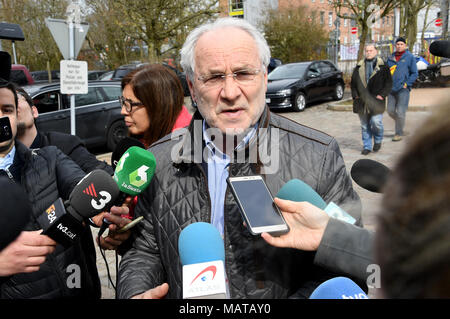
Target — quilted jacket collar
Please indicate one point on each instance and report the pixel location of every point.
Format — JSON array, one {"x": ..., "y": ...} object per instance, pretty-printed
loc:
[{"x": 193, "y": 143}]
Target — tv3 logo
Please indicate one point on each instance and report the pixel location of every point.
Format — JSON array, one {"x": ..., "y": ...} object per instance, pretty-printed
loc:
[
  {"x": 138, "y": 177},
  {"x": 97, "y": 202}
]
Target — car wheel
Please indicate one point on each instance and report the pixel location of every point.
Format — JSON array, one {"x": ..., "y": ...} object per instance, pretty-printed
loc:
[
  {"x": 299, "y": 103},
  {"x": 338, "y": 92},
  {"x": 117, "y": 131}
]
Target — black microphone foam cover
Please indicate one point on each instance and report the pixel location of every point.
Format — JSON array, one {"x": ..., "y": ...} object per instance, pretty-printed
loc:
[
  {"x": 370, "y": 174},
  {"x": 15, "y": 212},
  {"x": 440, "y": 48},
  {"x": 122, "y": 146},
  {"x": 95, "y": 193},
  {"x": 5, "y": 66}
]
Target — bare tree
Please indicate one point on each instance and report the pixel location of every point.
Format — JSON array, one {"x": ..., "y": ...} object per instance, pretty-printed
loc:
[
  {"x": 295, "y": 34},
  {"x": 364, "y": 12}
]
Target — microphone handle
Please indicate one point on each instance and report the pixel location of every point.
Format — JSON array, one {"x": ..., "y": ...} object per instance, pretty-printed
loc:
[{"x": 118, "y": 202}]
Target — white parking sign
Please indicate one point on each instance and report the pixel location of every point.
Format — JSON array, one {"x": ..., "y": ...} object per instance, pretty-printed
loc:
[{"x": 74, "y": 77}]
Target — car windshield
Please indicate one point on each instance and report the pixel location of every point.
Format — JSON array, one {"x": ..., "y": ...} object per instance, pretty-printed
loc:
[{"x": 288, "y": 71}]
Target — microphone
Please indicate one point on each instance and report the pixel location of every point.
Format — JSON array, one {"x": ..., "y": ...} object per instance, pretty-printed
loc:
[
  {"x": 122, "y": 146},
  {"x": 440, "y": 48},
  {"x": 95, "y": 193},
  {"x": 15, "y": 213},
  {"x": 5, "y": 65},
  {"x": 298, "y": 191},
  {"x": 202, "y": 255},
  {"x": 133, "y": 174},
  {"x": 338, "y": 288},
  {"x": 370, "y": 174}
]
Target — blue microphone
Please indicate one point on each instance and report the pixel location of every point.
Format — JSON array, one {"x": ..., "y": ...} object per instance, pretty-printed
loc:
[
  {"x": 202, "y": 255},
  {"x": 338, "y": 288},
  {"x": 298, "y": 191}
]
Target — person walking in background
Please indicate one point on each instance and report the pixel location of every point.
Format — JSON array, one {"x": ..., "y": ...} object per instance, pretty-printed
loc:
[
  {"x": 152, "y": 103},
  {"x": 371, "y": 83},
  {"x": 402, "y": 65}
]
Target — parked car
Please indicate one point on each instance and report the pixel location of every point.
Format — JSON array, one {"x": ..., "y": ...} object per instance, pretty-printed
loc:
[
  {"x": 123, "y": 70},
  {"x": 107, "y": 76},
  {"x": 294, "y": 85},
  {"x": 20, "y": 75},
  {"x": 95, "y": 74},
  {"x": 98, "y": 119},
  {"x": 42, "y": 76}
]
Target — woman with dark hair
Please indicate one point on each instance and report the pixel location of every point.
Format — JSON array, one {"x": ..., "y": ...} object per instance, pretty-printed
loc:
[{"x": 152, "y": 103}]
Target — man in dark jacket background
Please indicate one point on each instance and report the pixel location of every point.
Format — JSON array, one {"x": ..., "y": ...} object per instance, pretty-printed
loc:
[
  {"x": 226, "y": 65},
  {"x": 403, "y": 67},
  {"x": 371, "y": 84},
  {"x": 71, "y": 145},
  {"x": 33, "y": 265}
]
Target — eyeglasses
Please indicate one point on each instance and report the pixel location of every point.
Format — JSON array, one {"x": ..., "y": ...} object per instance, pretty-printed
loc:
[
  {"x": 243, "y": 77},
  {"x": 128, "y": 104}
]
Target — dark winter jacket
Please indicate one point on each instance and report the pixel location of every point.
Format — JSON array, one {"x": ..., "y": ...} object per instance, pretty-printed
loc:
[
  {"x": 72, "y": 146},
  {"x": 403, "y": 71},
  {"x": 364, "y": 94},
  {"x": 178, "y": 196},
  {"x": 46, "y": 174}
]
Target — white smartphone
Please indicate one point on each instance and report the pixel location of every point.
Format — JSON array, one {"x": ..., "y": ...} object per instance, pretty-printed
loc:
[{"x": 257, "y": 206}]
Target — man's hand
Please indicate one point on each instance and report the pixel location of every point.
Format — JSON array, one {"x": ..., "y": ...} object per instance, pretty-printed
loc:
[
  {"x": 158, "y": 292},
  {"x": 380, "y": 97},
  {"x": 26, "y": 253},
  {"x": 307, "y": 224},
  {"x": 114, "y": 239}
]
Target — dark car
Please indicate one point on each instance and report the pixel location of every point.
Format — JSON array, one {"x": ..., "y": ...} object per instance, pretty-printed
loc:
[
  {"x": 98, "y": 119},
  {"x": 294, "y": 85},
  {"x": 42, "y": 76},
  {"x": 123, "y": 70}
]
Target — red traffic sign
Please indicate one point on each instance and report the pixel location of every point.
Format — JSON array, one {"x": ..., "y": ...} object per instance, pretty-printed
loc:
[
  {"x": 354, "y": 30},
  {"x": 438, "y": 22}
]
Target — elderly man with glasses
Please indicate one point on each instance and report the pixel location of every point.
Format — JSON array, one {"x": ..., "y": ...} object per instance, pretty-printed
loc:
[{"x": 232, "y": 133}]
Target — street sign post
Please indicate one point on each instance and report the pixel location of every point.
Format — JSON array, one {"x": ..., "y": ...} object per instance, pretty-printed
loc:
[
  {"x": 69, "y": 36},
  {"x": 74, "y": 77},
  {"x": 354, "y": 30},
  {"x": 438, "y": 22}
]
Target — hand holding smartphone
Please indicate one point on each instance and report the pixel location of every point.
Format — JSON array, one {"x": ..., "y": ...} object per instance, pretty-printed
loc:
[{"x": 257, "y": 206}]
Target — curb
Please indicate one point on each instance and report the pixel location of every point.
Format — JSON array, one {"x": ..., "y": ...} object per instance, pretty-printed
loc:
[{"x": 335, "y": 106}]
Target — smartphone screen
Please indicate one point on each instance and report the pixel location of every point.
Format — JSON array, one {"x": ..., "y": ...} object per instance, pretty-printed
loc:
[
  {"x": 257, "y": 206},
  {"x": 5, "y": 129}
]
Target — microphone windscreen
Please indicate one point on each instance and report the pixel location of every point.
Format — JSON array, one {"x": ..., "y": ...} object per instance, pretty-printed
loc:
[
  {"x": 135, "y": 170},
  {"x": 298, "y": 191},
  {"x": 15, "y": 212},
  {"x": 370, "y": 174},
  {"x": 122, "y": 146},
  {"x": 5, "y": 65},
  {"x": 338, "y": 288},
  {"x": 200, "y": 242},
  {"x": 440, "y": 48},
  {"x": 95, "y": 193}
]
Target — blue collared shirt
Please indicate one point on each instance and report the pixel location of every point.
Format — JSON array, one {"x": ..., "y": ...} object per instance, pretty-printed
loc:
[
  {"x": 7, "y": 161},
  {"x": 218, "y": 164}
]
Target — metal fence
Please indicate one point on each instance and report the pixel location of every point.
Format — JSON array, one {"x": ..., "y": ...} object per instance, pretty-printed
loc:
[{"x": 346, "y": 58}]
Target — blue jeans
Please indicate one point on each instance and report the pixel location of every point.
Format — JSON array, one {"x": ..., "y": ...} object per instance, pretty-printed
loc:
[
  {"x": 371, "y": 126},
  {"x": 396, "y": 107}
]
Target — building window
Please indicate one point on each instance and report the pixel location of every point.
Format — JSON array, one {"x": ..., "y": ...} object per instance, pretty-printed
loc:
[
  {"x": 322, "y": 17},
  {"x": 236, "y": 7},
  {"x": 330, "y": 19}
]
